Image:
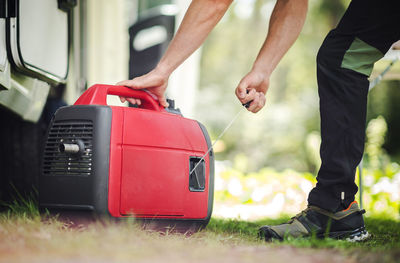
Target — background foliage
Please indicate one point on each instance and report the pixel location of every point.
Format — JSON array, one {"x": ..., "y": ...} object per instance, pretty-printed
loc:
[{"x": 272, "y": 157}]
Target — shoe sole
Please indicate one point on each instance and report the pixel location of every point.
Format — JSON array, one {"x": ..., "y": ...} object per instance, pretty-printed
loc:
[
  {"x": 356, "y": 235},
  {"x": 267, "y": 234}
]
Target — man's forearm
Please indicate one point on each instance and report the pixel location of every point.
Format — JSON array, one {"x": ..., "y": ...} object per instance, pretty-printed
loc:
[
  {"x": 286, "y": 22},
  {"x": 199, "y": 20}
]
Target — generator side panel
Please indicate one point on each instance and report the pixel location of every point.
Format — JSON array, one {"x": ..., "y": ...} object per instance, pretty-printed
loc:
[
  {"x": 75, "y": 167},
  {"x": 156, "y": 153}
]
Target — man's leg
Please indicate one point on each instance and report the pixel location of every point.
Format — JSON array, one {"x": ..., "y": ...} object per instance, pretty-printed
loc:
[{"x": 344, "y": 63}]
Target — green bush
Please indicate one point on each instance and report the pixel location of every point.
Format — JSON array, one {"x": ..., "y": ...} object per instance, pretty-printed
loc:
[{"x": 270, "y": 193}]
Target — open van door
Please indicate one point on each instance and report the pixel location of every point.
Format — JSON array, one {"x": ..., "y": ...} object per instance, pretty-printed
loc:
[
  {"x": 38, "y": 37},
  {"x": 34, "y": 43}
]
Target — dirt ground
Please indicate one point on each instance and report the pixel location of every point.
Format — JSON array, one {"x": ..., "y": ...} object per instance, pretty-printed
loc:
[
  {"x": 52, "y": 242},
  {"x": 226, "y": 254}
]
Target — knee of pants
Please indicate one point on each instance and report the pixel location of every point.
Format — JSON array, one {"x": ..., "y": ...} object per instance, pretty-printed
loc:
[
  {"x": 333, "y": 49},
  {"x": 347, "y": 52},
  {"x": 322, "y": 55},
  {"x": 327, "y": 55}
]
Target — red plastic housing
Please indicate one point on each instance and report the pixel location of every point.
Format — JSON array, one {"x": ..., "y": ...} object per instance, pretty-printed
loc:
[{"x": 150, "y": 149}]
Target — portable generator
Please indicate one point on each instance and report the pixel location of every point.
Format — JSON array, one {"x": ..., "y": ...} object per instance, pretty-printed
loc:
[{"x": 127, "y": 162}]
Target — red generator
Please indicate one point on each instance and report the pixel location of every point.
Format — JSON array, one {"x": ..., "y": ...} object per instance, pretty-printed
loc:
[{"x": 127, "y": 162}]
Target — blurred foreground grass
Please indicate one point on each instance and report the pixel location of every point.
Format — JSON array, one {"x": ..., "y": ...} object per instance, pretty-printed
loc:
[{"x": 26, "y": 237}]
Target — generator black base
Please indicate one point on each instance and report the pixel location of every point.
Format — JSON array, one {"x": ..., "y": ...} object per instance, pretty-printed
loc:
[{"x": 79, "y": 218}]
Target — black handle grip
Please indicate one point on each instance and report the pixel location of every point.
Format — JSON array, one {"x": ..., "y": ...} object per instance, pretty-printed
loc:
[{"x": 247, "y": 104}]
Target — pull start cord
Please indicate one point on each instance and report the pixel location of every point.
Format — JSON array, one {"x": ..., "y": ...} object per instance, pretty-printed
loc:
[{"x": 246, "y": 105}]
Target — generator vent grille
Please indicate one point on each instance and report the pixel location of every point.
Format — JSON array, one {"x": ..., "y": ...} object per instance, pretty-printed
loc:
[{"x": 57, "y": 163}]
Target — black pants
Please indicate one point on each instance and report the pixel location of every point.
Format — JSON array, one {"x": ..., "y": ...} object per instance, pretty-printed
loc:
[{"x": 344, "y": 62}]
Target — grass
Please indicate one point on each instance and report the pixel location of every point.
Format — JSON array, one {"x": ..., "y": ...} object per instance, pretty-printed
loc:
[
  {"x": 385, "y": 234},
  {"x": 25, "y": 236},
  {"x": 382, "y": 246}
]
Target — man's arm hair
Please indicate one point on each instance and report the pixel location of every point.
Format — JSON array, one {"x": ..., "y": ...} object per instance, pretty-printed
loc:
[
  {"x": 200, "y": 18},
  {"x": 285, "y": 24}
]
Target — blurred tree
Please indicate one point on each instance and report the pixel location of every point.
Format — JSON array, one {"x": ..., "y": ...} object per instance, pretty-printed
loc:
[
  {"x": 384, "y": 100},
  {"x": 332, "y": 10},
  {"x": 147, "y": 4}
]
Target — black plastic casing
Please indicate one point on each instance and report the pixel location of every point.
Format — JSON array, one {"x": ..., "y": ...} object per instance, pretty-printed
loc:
[{"x": 73, "y": 192}]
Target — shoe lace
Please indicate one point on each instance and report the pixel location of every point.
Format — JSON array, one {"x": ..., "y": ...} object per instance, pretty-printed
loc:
[{"x": 302, "y": 213}]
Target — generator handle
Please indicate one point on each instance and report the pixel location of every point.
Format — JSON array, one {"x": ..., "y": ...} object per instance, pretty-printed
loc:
[{"x": 97, "y": 94}]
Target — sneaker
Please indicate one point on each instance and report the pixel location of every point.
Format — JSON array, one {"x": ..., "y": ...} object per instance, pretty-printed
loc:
[{"x": 346, "y": 224}]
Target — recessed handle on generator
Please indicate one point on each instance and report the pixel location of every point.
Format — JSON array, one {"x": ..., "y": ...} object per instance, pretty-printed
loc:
[{"x": 97, "y": 94}]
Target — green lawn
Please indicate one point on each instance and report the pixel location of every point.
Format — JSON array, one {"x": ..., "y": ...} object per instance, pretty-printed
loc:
[
  {"x": 385, "y": 234},
  {"x": 25, "y": 236}
]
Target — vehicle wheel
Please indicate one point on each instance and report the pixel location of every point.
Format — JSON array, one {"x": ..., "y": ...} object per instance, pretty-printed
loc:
[{"x": 21, "y": 146}]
